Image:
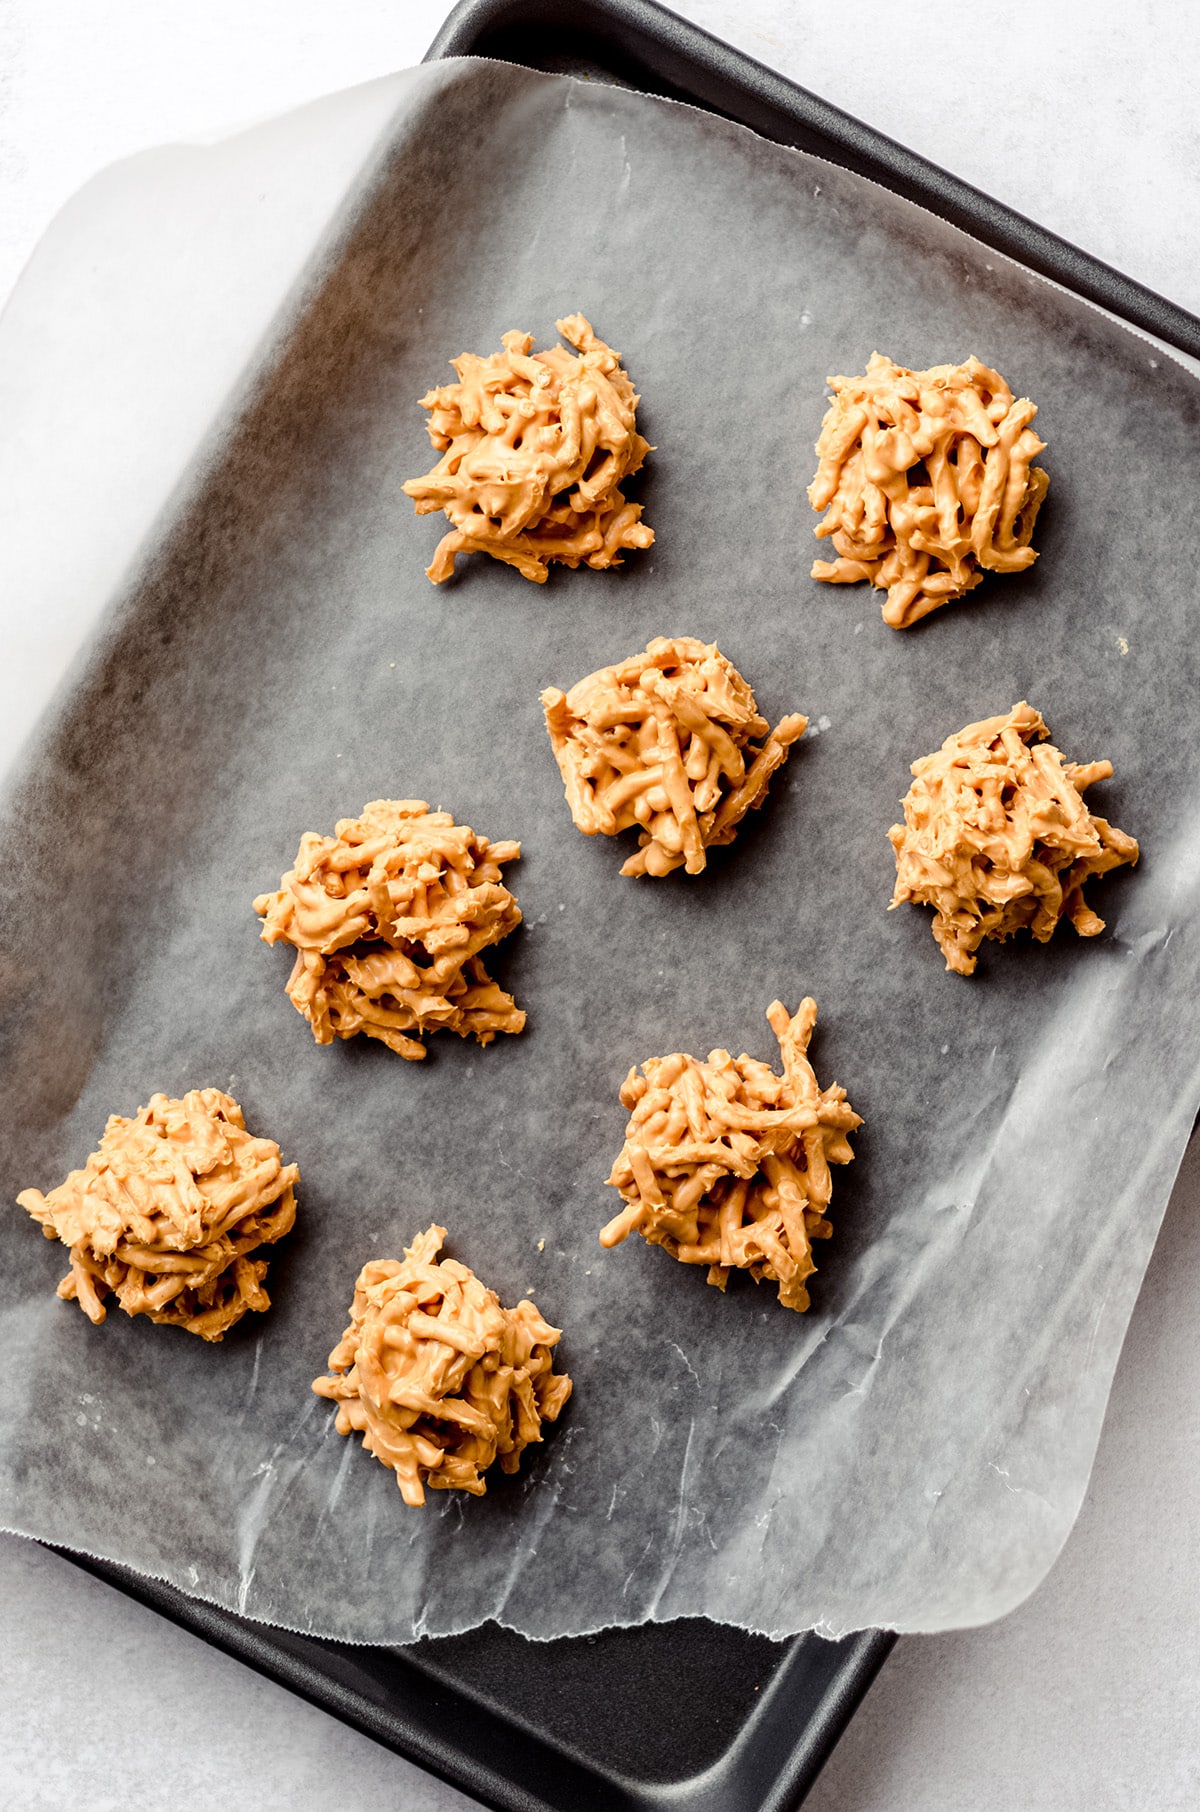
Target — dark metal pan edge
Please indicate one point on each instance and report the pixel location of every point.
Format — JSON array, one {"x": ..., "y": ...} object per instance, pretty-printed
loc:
[
  {"x": 654, "y": 48},
  {"x": 500, "y": 1762}
]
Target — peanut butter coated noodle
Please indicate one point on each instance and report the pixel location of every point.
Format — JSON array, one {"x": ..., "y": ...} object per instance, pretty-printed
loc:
[
  {"x": 167, "y": 1213},
  {"x": 662, "y": 741},
  {"x": 927, "y": 479},
  {"x": 996, "y": 837},
  {"x": 726, "y": 1164},
  {"x": 535, "y": 448},
  {"x": 438, "y": 1378},
  {"x": 387, "y": 918}
]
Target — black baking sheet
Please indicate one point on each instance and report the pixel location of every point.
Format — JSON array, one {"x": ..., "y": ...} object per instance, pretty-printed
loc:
[
  {"x": 280, "y": 658},
  {"x": 644, "y": 45},
  {"x": 689, "y": 1714},
  {"x": 499, "y": 828}
]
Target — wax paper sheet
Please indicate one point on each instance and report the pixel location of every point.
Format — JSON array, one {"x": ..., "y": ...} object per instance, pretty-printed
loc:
[{"x": 913, "y": 1451}]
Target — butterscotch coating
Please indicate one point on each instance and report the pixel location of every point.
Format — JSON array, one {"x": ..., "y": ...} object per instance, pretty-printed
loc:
[
  {"x": 437, "y": 1376},
  {"x": 996, "y": 837},
  {"x": 928, "y": 483},
  {"x": 167, "y": 1213},
  {"x": 726, "y": 1163},
  {"x": 388, "y": 918},
  {"x": 534, "y": 450},
  {"x": 663, "y": 742}
]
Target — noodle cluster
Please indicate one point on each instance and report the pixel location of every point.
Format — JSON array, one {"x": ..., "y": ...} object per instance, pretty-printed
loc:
[
  {"x": 534, "y": 450},
  {"x": 928, "y": 481},
  {"x": 437, "y": 1376},
  {"x": 996, "y": 837},
  {"x": 726, "y": 1163},
  {"x": 168, "y": 1212},
  {"x": 662, "y": 741},
  {"x": 388, "y": 918}
]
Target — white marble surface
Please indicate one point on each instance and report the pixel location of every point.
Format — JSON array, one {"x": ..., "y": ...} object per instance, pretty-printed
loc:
[{"x": 1087, "y": 1699}]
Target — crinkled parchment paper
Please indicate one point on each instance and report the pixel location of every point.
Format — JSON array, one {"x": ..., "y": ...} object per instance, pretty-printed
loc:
[{"x": 265, "y": 655}]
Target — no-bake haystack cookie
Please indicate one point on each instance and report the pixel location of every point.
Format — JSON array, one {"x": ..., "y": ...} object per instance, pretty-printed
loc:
[
  {"x": 726, "y": 1162},
  {"x": 928, "y": 482},
  {"x": 169, "y": 1214},
  {"x": 535, "y": 447},
  {"x": 388, "y": 918},
  {"x": 665, "y": 742},
  {"x": 439, "y": 1378},
  {"x": 997, "y": 837}
]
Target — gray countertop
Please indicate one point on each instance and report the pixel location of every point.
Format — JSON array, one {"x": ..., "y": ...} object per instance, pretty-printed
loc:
[{"x": 1087, "y": 1699}]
